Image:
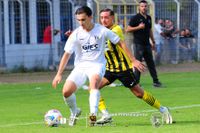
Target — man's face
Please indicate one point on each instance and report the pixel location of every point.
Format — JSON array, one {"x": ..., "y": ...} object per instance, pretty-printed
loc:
[
  {"x": 143, "y": 7},
  {"x": 167, "y": 22},
  {"x": 106, "y": 19},
  {"x": 83, "y": 20},
  {"x": 187, "y": 32},
  {"x": 182, "y": 33},
  {"x": 160, "y": 21}
]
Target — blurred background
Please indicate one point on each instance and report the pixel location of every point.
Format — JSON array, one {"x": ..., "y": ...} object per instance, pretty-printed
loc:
[{"x": 32, "y": 31}]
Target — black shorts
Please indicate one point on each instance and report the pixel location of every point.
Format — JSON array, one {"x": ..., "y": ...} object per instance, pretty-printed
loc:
[{"x": 126, "y": 77}]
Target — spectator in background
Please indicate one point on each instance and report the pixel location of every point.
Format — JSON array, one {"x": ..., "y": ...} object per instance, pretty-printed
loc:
[
  {"x": 191, "y": 43},
  {"x": 140, "y": 25},
  {"x": 158, "y": 35},
  {"x": 47, "y": 39},
  {"x": 170, "y": 35},
  {"x": 188, "y": 33}
]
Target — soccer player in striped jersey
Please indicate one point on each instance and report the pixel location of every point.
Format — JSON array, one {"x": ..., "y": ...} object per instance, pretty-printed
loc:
[{"x": 120, "y": 64}]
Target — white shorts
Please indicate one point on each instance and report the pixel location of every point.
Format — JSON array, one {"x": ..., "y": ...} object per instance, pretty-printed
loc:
[{"x": 79, "y": 75}]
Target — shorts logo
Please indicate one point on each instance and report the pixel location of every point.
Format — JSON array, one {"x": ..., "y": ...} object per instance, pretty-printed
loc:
[{"x": 132, "y": 84}]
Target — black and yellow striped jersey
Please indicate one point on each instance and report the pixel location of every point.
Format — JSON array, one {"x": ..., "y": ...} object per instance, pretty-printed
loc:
[{"x": 117, "y": 60}]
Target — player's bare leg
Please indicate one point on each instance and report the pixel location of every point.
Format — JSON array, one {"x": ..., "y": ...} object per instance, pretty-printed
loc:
[{"x": 70, "y": 99}]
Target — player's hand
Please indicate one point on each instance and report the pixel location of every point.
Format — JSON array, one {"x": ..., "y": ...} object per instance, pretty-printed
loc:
[
  {"x": 139, "y": 65},
  {"x": 68, "y": 33},
  {"x": 56, "y": 81}
]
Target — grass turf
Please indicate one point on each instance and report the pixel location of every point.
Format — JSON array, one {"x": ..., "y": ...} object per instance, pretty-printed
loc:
[{"x": 22, "y": 106}]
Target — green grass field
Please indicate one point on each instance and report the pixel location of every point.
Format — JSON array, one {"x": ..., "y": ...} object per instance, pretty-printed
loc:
[{"x": 22, "y": 107}]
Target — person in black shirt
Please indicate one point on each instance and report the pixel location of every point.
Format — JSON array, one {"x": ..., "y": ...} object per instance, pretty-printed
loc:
[{"x": 140, "y": 25}]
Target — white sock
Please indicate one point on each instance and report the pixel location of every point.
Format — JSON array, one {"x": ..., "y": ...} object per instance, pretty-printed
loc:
[
  {"x": 94, "y": 101},
  {"x": 71, "y": 102}
]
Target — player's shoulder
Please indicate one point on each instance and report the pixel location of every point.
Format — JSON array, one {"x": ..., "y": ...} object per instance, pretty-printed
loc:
[
  {"x": 74, "y": 35},
  {"x": 116, "y": 28},
  {"x": 99, "y": 26},
  {"x": 102, "y": 29},
  {"x": 78, "y": 29}
]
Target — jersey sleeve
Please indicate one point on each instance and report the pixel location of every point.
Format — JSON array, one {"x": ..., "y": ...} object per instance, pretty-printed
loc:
[
  {"x": 110, "y": 35},
  {"x": 117, "y": 30},
  {"x": 71, "y": 43}
]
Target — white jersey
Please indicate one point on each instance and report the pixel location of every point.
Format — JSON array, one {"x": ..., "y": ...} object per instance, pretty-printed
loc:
[{"x": 90, "y": 46}]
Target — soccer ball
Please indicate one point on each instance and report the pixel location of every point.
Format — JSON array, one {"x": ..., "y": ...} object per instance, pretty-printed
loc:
[
  {"x": 53, "y": 118},
  {"x": 156, "y": 120}
]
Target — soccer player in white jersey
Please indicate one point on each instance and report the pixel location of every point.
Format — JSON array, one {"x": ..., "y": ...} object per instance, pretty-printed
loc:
[{"x": 88, "y": 43}]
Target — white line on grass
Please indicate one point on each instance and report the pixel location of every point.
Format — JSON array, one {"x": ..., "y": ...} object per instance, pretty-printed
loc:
[
  {"x": 140, "y": 112},
  {"x": 171, "y": 108},
  {"x": 21, "y": 124}
]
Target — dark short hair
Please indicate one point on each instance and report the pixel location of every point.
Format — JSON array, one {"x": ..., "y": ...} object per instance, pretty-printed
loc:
[
  {"x": 84, "y": 9},
  {"x": 108, "y": 10},
  {"x": 143, "y": 1}
]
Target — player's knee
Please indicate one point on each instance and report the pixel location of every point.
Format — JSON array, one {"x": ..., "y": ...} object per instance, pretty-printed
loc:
[
  {"x": 68, "y": 88},
  {"x": 137, "y": 91},
  {"x": 139, "y": 95},
  {"x": 66, "y": 93}
]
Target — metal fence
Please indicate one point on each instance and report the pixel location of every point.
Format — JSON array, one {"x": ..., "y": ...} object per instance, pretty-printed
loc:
[
  {"x": 182, "y": 13},
  {"x": 27, "y": 25},
  {"x": 23, "y": 24},
  {"x": 1, "y": 34}
]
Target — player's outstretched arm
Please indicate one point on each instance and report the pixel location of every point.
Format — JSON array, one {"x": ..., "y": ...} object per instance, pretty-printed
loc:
[
  {"x": 137, "y": 64},
  {"x": 57, "y": 79}
]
